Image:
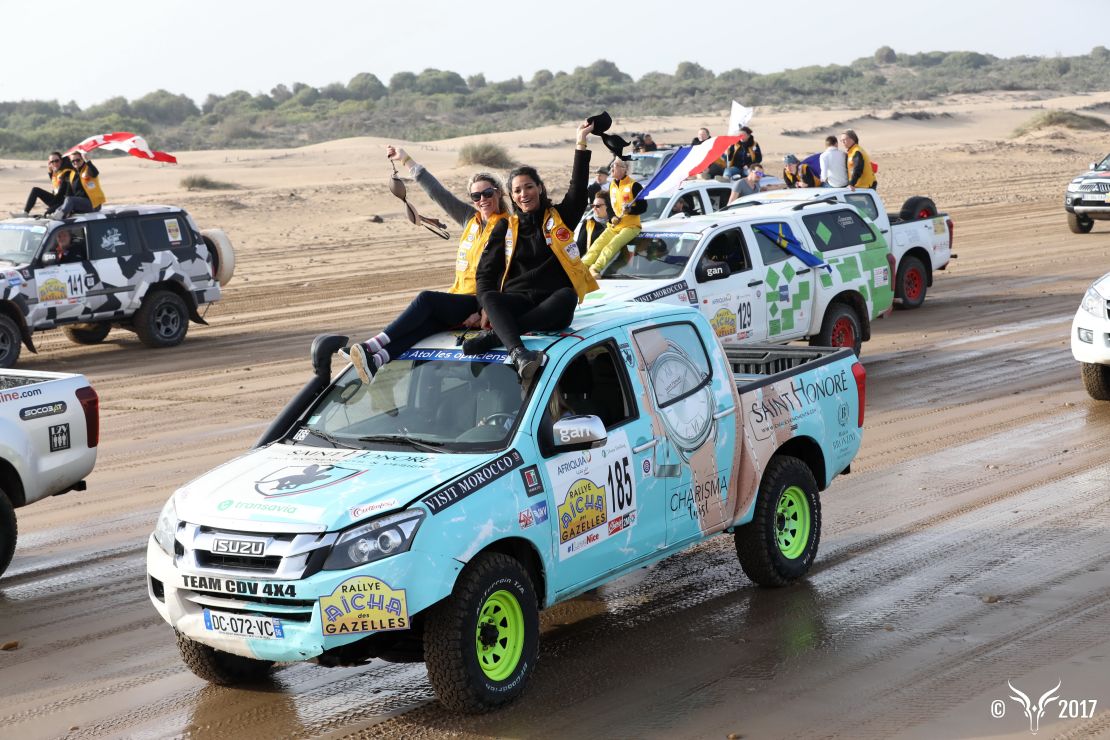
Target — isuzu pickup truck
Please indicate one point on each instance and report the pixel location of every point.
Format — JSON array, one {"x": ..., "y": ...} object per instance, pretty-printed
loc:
[
  {"x": 49, "y": 432},
  {"x": 431, "y": 514}
]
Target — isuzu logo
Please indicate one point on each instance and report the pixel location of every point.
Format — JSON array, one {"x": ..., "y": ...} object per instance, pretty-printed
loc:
[{"x": 250, "y": 548}]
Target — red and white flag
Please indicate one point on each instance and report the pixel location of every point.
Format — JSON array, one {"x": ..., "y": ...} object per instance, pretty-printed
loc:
[{"x": 124, "y": 141}]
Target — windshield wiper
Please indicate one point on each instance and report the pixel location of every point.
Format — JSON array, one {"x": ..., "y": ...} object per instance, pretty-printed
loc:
[
  {"x": 329, "y": 438},
  {"x": 404, "y": 439}
]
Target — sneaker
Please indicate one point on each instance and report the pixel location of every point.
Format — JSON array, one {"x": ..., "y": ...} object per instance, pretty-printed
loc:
[
  {"x": 21, "y": 214},
  {"x": 55, "y": 216},
  {"x": 363, "y": 363},
  {"x": 480, "y": 343},
  {"x": 527, "y": 362}
]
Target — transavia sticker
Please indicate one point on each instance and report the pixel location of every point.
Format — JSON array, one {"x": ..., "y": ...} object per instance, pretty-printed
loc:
[
  {"x": 59, "y": 437},
  {"x": 473, "y": 481},
  {"x": 363, "y": 604},
  {"x": 292, "y": 480}
]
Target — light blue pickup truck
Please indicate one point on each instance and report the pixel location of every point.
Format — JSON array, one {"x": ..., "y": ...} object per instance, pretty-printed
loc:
[{"x": 431, "y": 514}]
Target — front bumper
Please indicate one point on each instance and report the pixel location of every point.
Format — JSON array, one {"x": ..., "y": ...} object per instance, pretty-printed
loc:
[
  {"x": 416, "y": 579},
  {"x": 1086, "y": 327},
  {"x": 1092, "y": 205}
]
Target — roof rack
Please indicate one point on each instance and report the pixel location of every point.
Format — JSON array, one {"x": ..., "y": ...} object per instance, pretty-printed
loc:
[{"x": 831, "y": 199}]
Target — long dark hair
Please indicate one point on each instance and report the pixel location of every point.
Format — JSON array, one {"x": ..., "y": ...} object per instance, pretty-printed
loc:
[{"x": 529, "y": 171}]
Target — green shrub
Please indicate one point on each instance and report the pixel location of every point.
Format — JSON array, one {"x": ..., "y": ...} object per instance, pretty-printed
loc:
[
  {"x": 204, "y": 182},
  {"x": 486, "y": 154},
  {"x": 1064, "y": 118}
]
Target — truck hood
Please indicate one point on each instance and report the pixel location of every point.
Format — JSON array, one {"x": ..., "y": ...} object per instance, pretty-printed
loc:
[
  {"x": 1102, "y": 285},
  {"x": 640, "y": 290},
  {"x": 295, "y": 488}
]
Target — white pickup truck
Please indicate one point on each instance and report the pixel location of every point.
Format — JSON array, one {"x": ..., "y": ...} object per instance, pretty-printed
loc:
[
  {"x": 49, "y": 431},
  {"x": 920, "y": 238}
]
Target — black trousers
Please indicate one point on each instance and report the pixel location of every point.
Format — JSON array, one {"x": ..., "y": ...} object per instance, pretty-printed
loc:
[
  {"x": 513, "y": 314},
  {"x": 50, "y": 200},
  {"x": 429, "y": 313}
]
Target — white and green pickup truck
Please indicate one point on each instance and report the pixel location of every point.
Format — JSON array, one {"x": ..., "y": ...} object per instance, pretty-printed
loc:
[
  {"x": 49, "y": 432},
  {"x": 919, "y": 237},
  {"x": 776, "y": 272}
]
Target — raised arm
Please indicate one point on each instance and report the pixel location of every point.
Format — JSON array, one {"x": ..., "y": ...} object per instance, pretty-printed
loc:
[
  {"x": 573, "y": 204},
  {"x": 457, "y": 209}
]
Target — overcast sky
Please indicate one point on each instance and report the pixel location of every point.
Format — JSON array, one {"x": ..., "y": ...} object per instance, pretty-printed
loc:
[{"x": 88, "y": 52}]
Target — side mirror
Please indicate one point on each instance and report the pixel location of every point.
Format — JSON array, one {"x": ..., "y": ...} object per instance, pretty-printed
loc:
[
  {"x": 573, "y": 433},
  {"x": 1092, "y": 165},
  {"x": 49, "y": 258},
  {"x": 711, "y": 270}
]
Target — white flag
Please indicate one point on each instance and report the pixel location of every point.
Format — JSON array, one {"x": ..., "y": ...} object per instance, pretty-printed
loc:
[{"x": 739, "y": 117}]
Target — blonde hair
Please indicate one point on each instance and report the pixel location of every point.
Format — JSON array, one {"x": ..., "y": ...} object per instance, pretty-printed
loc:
[{"x": 502, "y": 201}]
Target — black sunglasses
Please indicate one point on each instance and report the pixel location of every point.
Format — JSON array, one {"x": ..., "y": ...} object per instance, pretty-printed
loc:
[{"x": 487, "y": 193}]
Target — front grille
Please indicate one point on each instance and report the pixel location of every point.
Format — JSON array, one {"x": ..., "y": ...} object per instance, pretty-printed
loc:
[
  {"x": 1098, "y": 186},
  {"x": 285, "y": 556}
]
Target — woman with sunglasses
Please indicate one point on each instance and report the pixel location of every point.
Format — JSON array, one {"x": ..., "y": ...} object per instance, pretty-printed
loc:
[
  {"x": 61, "y": 177},
  {"x": 531, "y": 276},
  {"x": 434, "y": 311},
  {"x": 86, "y": 195}
]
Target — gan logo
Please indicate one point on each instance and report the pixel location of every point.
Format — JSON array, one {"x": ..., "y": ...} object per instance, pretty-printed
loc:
[
  {"x": 363, "y": 604},
  {"x": 724, "y": 323},
  {"x": 292, "y": 480},
  {"x": 583, "y": 509},
  {"x": 59, "y": 437}
]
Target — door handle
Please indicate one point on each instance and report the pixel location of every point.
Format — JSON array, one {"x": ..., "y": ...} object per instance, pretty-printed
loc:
[
  {"x": 802, "y": 272},
  {"x": 646, "y": 445},
  {"x": 723, "y": 413},
  {"x": 754, "y": 283}
]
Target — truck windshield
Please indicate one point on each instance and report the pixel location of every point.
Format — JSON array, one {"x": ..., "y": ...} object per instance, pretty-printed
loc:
[
  {"x": 19, "y": 242},
  {"x": 653, "y": 254},
  {"x": 434, "y": 400},
  {"x": 655, "y": 208}
]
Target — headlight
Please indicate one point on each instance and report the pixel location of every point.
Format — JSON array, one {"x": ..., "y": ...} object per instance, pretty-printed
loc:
[
  {"x": 1093, "y": 303},
  {"x": 165, "y": 532},
  {"x": 374, "y": 540},
  {"x": 1074, "y": 185}
]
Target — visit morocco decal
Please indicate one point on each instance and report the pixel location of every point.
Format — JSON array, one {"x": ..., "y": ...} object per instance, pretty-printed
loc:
[{"x": 294, "y": 479}]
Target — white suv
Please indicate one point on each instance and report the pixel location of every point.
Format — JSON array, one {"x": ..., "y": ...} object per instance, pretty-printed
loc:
[{"x": 1090, "y": 338}]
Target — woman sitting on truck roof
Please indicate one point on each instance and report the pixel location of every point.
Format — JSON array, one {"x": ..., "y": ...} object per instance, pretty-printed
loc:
[{"x": 432, "y": 311}]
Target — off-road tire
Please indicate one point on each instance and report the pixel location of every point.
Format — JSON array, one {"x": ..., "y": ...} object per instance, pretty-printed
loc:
[
  {"x": 778, "y": 546},
  {"x": 8, "y": 531},
  {"x": 917, "y": 208},
  {"x": 87, "y": 333},
  {"x": 1096, "y": 379},
  {"x": 913, "y": 283},
  {"x": 218, "y": 667},
  {"x": 162, "y": 320},
  {"x": 11, "y": 342},
  {"x": 451, "y": 636},
  {"x": 1080, "y": 224},
  {"x": 841, "y": 327}
]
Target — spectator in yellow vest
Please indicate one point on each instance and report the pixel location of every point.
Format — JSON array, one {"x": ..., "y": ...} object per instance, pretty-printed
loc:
[
  {"x": 85, "y": 194},
  {"x": 61, "y": 173},
  {"x": 860, "y": 172},
  {"x": 624, "y": 226}
]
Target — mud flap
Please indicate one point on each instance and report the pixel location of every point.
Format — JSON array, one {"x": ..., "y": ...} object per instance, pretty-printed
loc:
[
  {"x": 25, "y": 333},
  {"x": 194, "y": 316}
]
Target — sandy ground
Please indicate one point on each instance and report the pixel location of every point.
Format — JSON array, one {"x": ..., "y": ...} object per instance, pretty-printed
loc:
[{"x": 970, "y": 546}]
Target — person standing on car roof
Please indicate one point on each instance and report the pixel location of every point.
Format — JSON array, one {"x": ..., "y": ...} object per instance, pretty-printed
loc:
[
  {"x": 743, "y": 154},
  {"x": 531, "y": 276},
  {"x": 434, "y": 311},
  {"x": 798, "y": 174},
  {"x": 86, "y": 194},
  {"x": 61, "y": 174},
  {"x": 860, "y": 172},
  {"x": 624, "y": 225}
]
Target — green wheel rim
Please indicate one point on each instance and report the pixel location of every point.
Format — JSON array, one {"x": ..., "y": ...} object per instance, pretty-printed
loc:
[
  {"x": 792, "y": 522},
  {"x": 499, "y": 636}
]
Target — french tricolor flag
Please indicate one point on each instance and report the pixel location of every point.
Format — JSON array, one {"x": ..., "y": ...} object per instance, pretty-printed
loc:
[{"x": 687, "y": 162}]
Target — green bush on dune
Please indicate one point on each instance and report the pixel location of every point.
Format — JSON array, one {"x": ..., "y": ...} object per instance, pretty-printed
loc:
[
  {"x": 486, "y": 154},
  {"x": 204, "y": 182},
  {"x": 436, "y": 104},
  {"x": 1064, "y": 119}
]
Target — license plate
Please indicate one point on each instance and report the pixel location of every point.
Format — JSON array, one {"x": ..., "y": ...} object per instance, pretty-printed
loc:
[
  {"x": 243, "y": 625},
  {"x": 1108, "y": 197}
]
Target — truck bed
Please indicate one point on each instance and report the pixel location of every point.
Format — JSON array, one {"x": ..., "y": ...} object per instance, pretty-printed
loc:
[{"x": 756, "y": 365}]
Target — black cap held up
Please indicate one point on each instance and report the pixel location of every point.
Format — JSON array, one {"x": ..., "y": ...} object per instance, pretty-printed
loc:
[{"x": 602, "y": 121}]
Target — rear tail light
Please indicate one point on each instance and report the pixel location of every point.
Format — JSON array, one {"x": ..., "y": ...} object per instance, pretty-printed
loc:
[
  {"x": 90, "y": 404},
  {"x": 951, "y": 233},
  {"x": 861, "y": 386}
]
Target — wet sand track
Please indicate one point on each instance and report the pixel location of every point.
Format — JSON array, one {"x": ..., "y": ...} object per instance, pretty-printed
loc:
[{"x": 970, "y": 546}]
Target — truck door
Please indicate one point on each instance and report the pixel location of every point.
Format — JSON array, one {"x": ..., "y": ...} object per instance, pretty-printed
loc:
[
  {"x": 606, "y": 503},
  {"x": 788, "y": 283},
  {"x": 118, "y": 270},
  {"x": 692, "y": 453},
  {"x": 60, "y": 282},
  {"x": 728, "y": 287}
]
